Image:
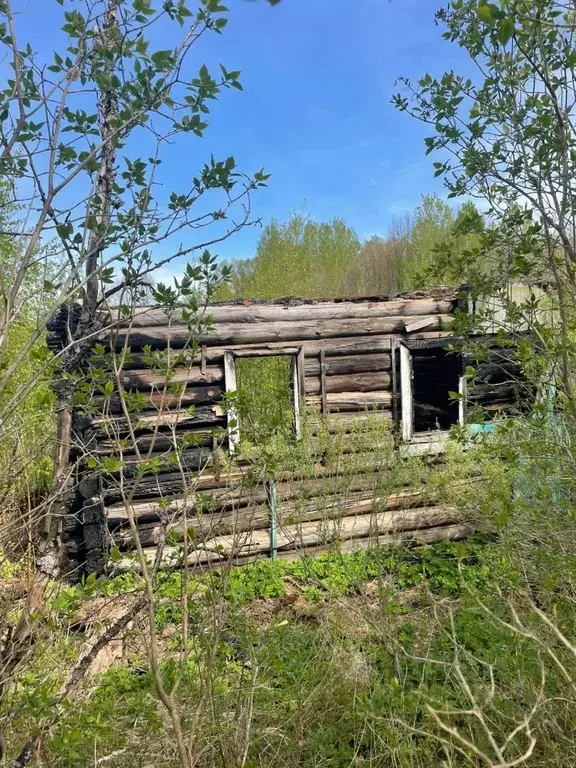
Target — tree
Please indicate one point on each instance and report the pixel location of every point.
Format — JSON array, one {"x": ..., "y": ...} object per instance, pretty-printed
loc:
[
  {"x": 430, "y": 225},
  {"x": 375, "y": 270},
  {"x": 82, "y": 136},
  {"x": 507, "y": 136},
  {"x": 82, "y": 139},
  {"x": 300, "y": 258}
]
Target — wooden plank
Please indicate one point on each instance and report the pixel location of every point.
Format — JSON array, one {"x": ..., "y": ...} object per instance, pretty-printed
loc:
[
  {"x": 157, "y": 441},
  {"x": 233, "y": 430},
  {"x": 203, "y": 360},
  {"x": 348, "y": 364},
  {"x": 352, "y": 401},
  {"x": 406, "y": 393},
  {"x": 334, "y": 347},
  {"x": 289, "y": 538},
  {"x": 143, "y": 378},
  {"x": 324, "y": 405},
  {"x": 424, "y": 536},
  {"x": 301, "y": 361},
  {"x": 238, "y": 495},
  {"x": 371, "y": 381},
  {"x": 344, "y": 422},
  {"x": 320, "y": 310},
  {"x": 253, "y": 333},
  {"x": 421, "y": 324},
  {"x": 395, "y": 392},
  {"x": 148, "y": 420},
  {"x": 254, "y": 351},
  {"x": 296, "y": 395},
  {"x": 211, "y": 561},
  {"x": 290, "y": 518},
  {"x": 167, "y": 484},
  {"x": 165, "y": 401}
]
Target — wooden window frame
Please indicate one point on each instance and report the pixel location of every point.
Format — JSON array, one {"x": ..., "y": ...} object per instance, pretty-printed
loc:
[
  {"x": 230, "y": 383},
  {"x": 406, "y": 349}
]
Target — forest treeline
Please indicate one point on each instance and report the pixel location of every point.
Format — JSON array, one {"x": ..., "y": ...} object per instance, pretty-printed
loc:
[{"x": 311, "y": 259}]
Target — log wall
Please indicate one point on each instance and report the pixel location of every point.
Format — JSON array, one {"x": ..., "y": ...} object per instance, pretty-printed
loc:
[{"x": 346, "y": 352}]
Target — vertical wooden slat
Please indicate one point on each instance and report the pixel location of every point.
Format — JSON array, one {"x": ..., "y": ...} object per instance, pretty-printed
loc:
[
  {"x": 203, "y": 360},
  {"x": 233, "y": 429},
  {"x": 63, "y": 429},
  {"x": 296, "y": 397},
  {"x": 301, "y": 362},
  {"x": 272, "y": 498},
  {"x": 406, "y": 393},
  {"x": 324, "y": 402},
  {"x": 462, "y": 403},
  {"x": 393, "y": 362}
]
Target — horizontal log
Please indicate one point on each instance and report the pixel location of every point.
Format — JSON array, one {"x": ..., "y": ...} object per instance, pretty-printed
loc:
[
  {"x": 353, "y": 382},
  {"x": 352, "y": 401},
  {"x": 167, "y": 420},
  {"x": 191, "y": 460},
  {"x": 492, "y": 392},
  {"x": 423, "y": 536},
  {"x": 333, "y": 347},
  {"x": 304, "y": 535},
  {"x": 359, "y": 492},
  {"x": 159, "y": 441},
  {"x": 299, "y": 330},
  {"x": 167, "y": 484},
  {"x": 147, "y": 378},
  {"x": 163, "y": 401},
  {"x": 322, "y": 310},
  {"x": 330, "y": 513},
  {"x": 348, "y": 364},
  {"x": 240, "y": 494},
  {"x": 345, "y": 422}
]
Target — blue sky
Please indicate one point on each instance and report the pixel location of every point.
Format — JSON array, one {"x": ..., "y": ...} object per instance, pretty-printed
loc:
[{"x": 318, "y": 77}]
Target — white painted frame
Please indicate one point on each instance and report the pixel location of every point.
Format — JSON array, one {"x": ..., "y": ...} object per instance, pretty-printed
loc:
[
  {"x": 407, "y": 394},
  {"x": 232, "y": 424},
  {"x": 230, "y": 384}
]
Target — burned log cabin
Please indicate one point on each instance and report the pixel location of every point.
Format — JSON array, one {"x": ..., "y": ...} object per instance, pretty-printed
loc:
[{"x": 160, "y": 456}]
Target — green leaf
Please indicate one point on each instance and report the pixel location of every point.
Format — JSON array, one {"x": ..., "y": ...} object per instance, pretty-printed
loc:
[
  {"x": 485, "y": 12},
  {"x": 505, "y": 29}
]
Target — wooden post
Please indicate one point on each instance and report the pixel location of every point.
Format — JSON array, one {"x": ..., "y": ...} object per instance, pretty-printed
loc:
[
  {"x": 232, "y": 414},
  {"x": 462, "y": 403},
  {"x": 393, "y": 363},
  {"x": 272, "y": 499},
  {"x": 203, "y": 360},
  {"x": 295, "y": 386},
  {"x": 406, "y": 391},
  {"x": 324, "y": 406}
]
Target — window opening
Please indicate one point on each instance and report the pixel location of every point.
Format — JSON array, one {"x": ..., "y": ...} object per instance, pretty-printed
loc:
[
  {"x": 266, "y": 399},
  {"x": 430, "y": 376}
]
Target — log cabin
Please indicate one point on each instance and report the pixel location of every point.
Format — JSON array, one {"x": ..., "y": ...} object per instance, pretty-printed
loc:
[{"x": 165, "y": 461}]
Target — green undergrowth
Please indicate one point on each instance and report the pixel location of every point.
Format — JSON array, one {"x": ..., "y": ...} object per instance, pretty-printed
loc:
[
  {"x": 339, "y": 679},
  {"x": 445, "y": 568}
]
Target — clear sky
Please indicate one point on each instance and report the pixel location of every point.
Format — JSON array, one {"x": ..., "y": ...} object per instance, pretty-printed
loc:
[
  {"x": 318, "y": 78},
  {"x": 316, "y": 113}
]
